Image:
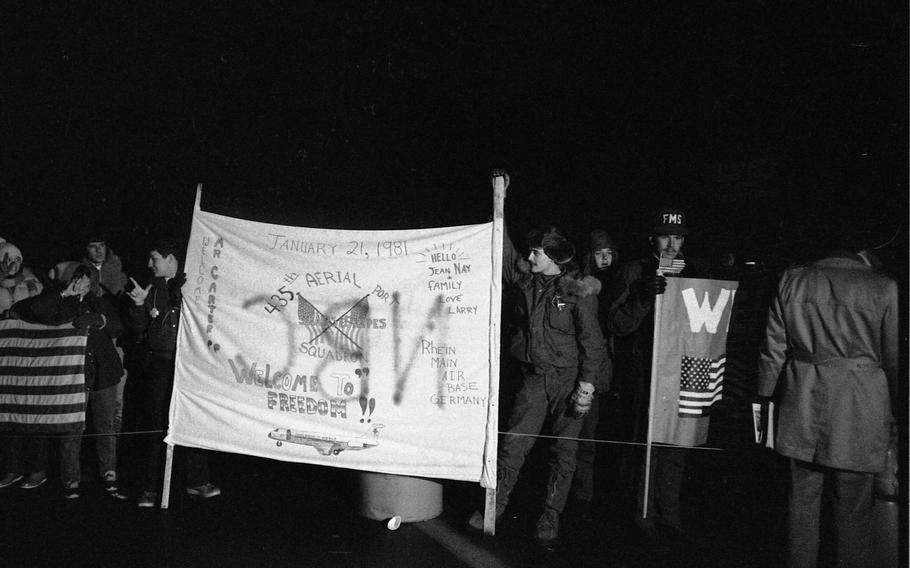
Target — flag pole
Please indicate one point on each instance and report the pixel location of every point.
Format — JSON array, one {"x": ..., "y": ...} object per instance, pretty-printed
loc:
[
  {"x": 489, "y": 476},
  {"x": 658, "y": 304}
]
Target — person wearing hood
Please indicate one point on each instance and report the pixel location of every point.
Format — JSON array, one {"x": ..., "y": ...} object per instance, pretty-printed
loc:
[
  {"x": 600, "y": 257},
  {"x": 20, "y": 456},
  {"x": 16, "y": 281},
  {"x": 556, "y": 339}
]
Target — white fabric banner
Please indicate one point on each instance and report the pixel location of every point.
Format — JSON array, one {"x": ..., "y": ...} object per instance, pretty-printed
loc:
[{"x": 367, "y": 350}]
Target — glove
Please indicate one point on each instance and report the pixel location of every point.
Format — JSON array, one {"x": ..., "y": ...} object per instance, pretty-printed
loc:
[
  {"x": 88, "y": 320},
  {"x": 649, "y": 286},
  {"x": 581, "y": 399}
]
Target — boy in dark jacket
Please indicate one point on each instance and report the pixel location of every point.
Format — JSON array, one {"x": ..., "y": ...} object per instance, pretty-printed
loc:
[{"x": 155, "y": 313}]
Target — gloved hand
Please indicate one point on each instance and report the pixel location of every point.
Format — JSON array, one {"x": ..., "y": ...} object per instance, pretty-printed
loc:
[
  {"x": 649, "y": 286},
  {"x": 581, "y": 399},
  {"x": 89, "y": 319}
]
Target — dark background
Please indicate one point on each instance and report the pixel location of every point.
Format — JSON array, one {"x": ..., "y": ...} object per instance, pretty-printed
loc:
[{"x": 765, "y": 120}]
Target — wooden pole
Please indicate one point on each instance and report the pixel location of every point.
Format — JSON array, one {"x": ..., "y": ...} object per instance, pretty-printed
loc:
[
  {"x": 492, "y": 443},
  {"x": 168, "y": 466}
]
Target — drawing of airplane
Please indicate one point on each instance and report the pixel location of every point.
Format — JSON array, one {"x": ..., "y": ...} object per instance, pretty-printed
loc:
[{"x": 327, "y": 444}]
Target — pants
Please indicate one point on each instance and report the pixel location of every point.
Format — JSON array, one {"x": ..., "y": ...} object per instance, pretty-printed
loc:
[
  {"x": 101, "y": 405},
  {"x": 118, "y": 401},
  {"x": 23, "y": 454},
  {"x": 542, "y": 395},
  {"x": 668, "y": 467},
  {"x": 852, "y": 502},
  {"x": 161, "y": 374},
  {"x": 583, "y": 484}
]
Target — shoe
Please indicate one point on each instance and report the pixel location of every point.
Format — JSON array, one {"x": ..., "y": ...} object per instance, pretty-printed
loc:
[
  {"x": 9, "y": 479},
  {"x": 110, "y": 481},
  {"x": 547, "y": 531},
  {"x": 475, "y": 522},
  {"x": 148, "y": 499},
  {"x": 34, "y": 480},
  {"x": 71, "y": 490},
  {"x": 110, "y": 484},
  {"x": 205, "y": 491}
]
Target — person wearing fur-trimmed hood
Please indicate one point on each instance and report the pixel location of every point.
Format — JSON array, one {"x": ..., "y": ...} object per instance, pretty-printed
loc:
[{"x": 557, "y": 341}]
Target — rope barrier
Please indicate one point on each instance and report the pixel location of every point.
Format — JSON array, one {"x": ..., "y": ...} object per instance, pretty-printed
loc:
[
  {"x": 542, "y": 436},
  {"x": 59, "y": 435},
  {"x": 616, "y": 442}
]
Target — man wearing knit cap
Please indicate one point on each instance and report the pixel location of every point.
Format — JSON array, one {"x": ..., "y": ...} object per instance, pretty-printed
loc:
[
  {"x": 631, "y": 325},
  {"x": 558, "y": 344}
]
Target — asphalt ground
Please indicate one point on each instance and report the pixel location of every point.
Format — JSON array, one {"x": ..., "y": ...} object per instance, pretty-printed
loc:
[{"x": 284, "y": 514}]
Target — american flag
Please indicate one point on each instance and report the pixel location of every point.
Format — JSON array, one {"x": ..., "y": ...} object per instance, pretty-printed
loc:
[
  {"x": 345, "y": 332},
  {"x": 668, "y": 266},
  {"x": 700, "y": 384},
  {"x": 42, "y": 379}
]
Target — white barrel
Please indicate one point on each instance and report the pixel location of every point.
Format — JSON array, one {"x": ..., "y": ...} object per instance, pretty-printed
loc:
[{"x": 414, "y": 499}]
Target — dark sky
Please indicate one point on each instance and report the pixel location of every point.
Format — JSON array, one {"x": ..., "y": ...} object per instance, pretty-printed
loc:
[{"x": 760, "y": 118}]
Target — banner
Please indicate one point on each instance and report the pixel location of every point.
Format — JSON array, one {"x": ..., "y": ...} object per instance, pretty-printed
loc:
[
  {"x": 42, "y": 380},
  {"x": 690, "y": 348},
  {"x": 367, "y": 350}
]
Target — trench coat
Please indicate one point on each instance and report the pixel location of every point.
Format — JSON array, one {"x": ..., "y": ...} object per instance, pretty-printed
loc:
[{"x": 830, "y": 359}]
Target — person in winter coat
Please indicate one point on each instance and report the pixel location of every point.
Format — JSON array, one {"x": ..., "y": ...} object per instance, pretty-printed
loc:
[
  {"x": 600, "y": 256},
  {"x": 16, "y": 282},
  {"x": 557, "y": 341},
  {"x": 20, "y": 456},
  {"x": 77, "y": 304},
  {"x": 831, "y": 360},
  {"x": 107, "y": 268},
  {"x": 630, "y": 322},
  {"x": 155, "y": 314}
]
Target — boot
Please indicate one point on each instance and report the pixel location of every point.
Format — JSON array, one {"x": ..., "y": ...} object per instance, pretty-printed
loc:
[{"x": 547, "y": 531}]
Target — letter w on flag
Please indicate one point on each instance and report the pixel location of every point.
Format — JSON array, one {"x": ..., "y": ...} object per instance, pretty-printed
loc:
[
  {"x": 690, "y": 347},
  {"x": 700, "y": 384}
]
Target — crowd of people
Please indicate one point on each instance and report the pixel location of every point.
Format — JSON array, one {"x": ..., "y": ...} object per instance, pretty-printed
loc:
[
  {"x": 580, "y": 332},
  {"x": 91, "y": 294}
]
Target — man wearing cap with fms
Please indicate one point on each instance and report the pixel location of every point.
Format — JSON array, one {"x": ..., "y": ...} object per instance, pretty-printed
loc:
[
  {"x": 557, "y": 341},
  {"x": 631, "y": 322}
]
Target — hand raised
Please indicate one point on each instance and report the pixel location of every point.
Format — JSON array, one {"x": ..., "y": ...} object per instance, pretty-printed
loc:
[
  {"x": 499, "y": 173},
  {"x": 138, "y": 294}
]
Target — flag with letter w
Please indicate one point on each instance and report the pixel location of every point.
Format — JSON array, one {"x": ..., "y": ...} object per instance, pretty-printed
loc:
[{"x": 690, "y": 346}]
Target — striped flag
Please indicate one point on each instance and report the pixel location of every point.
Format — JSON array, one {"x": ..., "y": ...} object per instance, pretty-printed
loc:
[
  {"x": 42, "y": 380},
  {"x": 700, "y": 384}
]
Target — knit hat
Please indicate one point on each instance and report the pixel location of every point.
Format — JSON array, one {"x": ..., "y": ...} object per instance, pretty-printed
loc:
[
  {"x": 554, "y": 244},
  {"x": 670, "y": 221}
]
